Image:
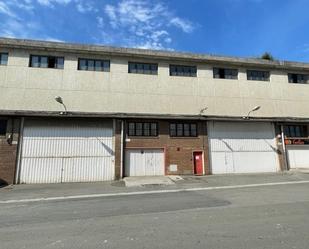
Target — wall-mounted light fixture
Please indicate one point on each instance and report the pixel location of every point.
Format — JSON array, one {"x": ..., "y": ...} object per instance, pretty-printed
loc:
[
  {"x": 253, "y": 110},
  {"x": 60, "y": 101},
  {"x": 203, "y": 110}
]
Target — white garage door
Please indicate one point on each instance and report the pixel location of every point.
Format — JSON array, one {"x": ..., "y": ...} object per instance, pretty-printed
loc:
[
  {"x": 67, "y": 151},
  {"x": 144, "y": 162},
  {"x": 298, "y": 156},
  {"x": 242, "y": 147}
]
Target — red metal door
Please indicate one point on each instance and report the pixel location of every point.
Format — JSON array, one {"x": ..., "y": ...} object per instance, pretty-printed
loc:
[{"x": 198, "y": 163}]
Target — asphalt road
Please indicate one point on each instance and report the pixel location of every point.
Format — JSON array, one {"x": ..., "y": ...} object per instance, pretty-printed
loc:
[{"x": 249, "y": 218}]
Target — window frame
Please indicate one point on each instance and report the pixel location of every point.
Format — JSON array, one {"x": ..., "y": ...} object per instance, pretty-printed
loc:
[
  {"x": 225, "y": 73},
  {"x": 291, "y": 80},
  {"x": 55, "y": 58},
  {"x": 178, "y": 124},
  {"x": 258, "y": 78},
  {"x": 95, "y": 61},
  {"x": 7, "y": 58},
  {"x": 142, "y": 134},
  {"x": 139, "y": 68},
  {"x": 182, "y": 72}
]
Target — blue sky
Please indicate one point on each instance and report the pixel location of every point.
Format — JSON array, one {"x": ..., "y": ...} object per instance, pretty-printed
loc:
[{"x": 225, "y": 27}]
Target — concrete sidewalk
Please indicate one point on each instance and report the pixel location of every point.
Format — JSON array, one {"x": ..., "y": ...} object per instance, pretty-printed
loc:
[{"x": 18, "y": 192}]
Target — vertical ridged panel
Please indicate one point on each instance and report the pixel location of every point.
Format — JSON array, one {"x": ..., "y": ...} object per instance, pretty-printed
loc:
[
  {"x": 242, "y": 147},
  {"x": 144, "y": 162},
  {"x": 67, "y": 151},
  {"x": 298, "y": 156}
]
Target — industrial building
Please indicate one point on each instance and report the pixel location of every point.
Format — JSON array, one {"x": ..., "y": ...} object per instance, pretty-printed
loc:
[{"x": 82, "y": 113}]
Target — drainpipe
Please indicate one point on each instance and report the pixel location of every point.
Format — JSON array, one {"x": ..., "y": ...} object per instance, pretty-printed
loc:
[
  {"x": 121, "y": 149},
  {"x": 287, "y": 166}
]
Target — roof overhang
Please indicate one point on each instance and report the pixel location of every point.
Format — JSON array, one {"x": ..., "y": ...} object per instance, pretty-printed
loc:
[{"x": 57, "y": 114}]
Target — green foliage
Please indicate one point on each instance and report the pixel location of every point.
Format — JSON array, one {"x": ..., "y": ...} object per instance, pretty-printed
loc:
[{"x": 267, "y": 56}]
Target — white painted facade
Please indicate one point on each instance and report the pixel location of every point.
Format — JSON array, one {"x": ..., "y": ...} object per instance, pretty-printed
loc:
[
  {"x": 67, "y": 151},
  {"x": 242, "y": 147}
]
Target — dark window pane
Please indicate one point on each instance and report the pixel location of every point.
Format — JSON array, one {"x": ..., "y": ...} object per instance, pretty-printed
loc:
[
  {"x": 146, "y": 129},
  {"x": 147, "y": 69},
  {"x": 51, "y": 62},
  {"x": 90, "y": 65},
  {"x": 98, "y": 66},
  {"x": 3, "y": 125},
  {"x": 154, "y": 69},
  {"x": 180, "y": 130},
  {"x": 139, "y": 129},
  {"x": 173, "y": 130},
  {"x": 193, "y": 130},
  {"x": 4, "y": 59},
  {"x": 186, "y": 130},
  {"x": 44, "y": 61},
  {"x": 132, "y": 68},
  {"x": 82, "y": 64},
  {"x": 60, "y": 63},
  {"x": 140, "y": 68},
  {"x": 35, "y": 61},
  {"x": 106, "y": 66},
  {"x": 131, "y": 129},
  {"x": 154, "y": 129}
]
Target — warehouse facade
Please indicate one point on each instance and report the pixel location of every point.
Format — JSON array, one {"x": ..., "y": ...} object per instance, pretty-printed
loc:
[{"x": 130, "y": 112}]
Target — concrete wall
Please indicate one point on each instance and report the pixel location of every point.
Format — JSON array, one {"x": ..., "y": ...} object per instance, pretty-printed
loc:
[{"x": 24, "y": 88}]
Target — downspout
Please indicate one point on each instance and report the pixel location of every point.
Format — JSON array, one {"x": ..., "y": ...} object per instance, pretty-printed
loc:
[
  {"x": 284, "y": 149},
  {"x": 121, "y": 149}
]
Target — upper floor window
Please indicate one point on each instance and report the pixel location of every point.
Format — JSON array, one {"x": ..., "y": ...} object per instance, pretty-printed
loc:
[
  {"x": 298, "y": 78},
  {"x": 296, "y": 131},
  {"x": 46, "y": 61},
  {"x": 3, "y": 125},
  {"x": 183, "y": 129},
  {"x": 178, "y": 70},
  {"x": 4, "y": 58},
  {"x": 143, "y": 68},
  {"x": 258, "y": 75},
  {"x": 94, "y": 65},
  {"x": 224, "y": 73},
  {"x": 146, "y": 129}
]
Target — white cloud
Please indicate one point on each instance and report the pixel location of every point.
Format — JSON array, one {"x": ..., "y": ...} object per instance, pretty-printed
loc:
[
  {"x": 50, "y": 3},
  {"x": 144, "y": 23},
  {"x": 182, "y": 24},
  {"x": 5, "y": 9}
]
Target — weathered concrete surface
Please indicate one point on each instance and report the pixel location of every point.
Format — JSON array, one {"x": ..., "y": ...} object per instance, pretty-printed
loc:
[{"x": 263, "y": 217}]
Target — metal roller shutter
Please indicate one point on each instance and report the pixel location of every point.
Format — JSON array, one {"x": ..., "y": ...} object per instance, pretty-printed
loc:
[
  {"x": 67, "y": 151},
  {"x": 242, "y": 147}
]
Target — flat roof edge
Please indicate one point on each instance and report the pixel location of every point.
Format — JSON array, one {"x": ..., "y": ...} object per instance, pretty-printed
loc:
[
  {"x": 26, "y": 113},
  {"x": 144, "y": 53}
]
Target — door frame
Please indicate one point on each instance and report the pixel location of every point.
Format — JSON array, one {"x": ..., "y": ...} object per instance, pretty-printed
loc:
[
  {"x": 193, "y": 160},
  {"x": 144, "y": 148}
]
